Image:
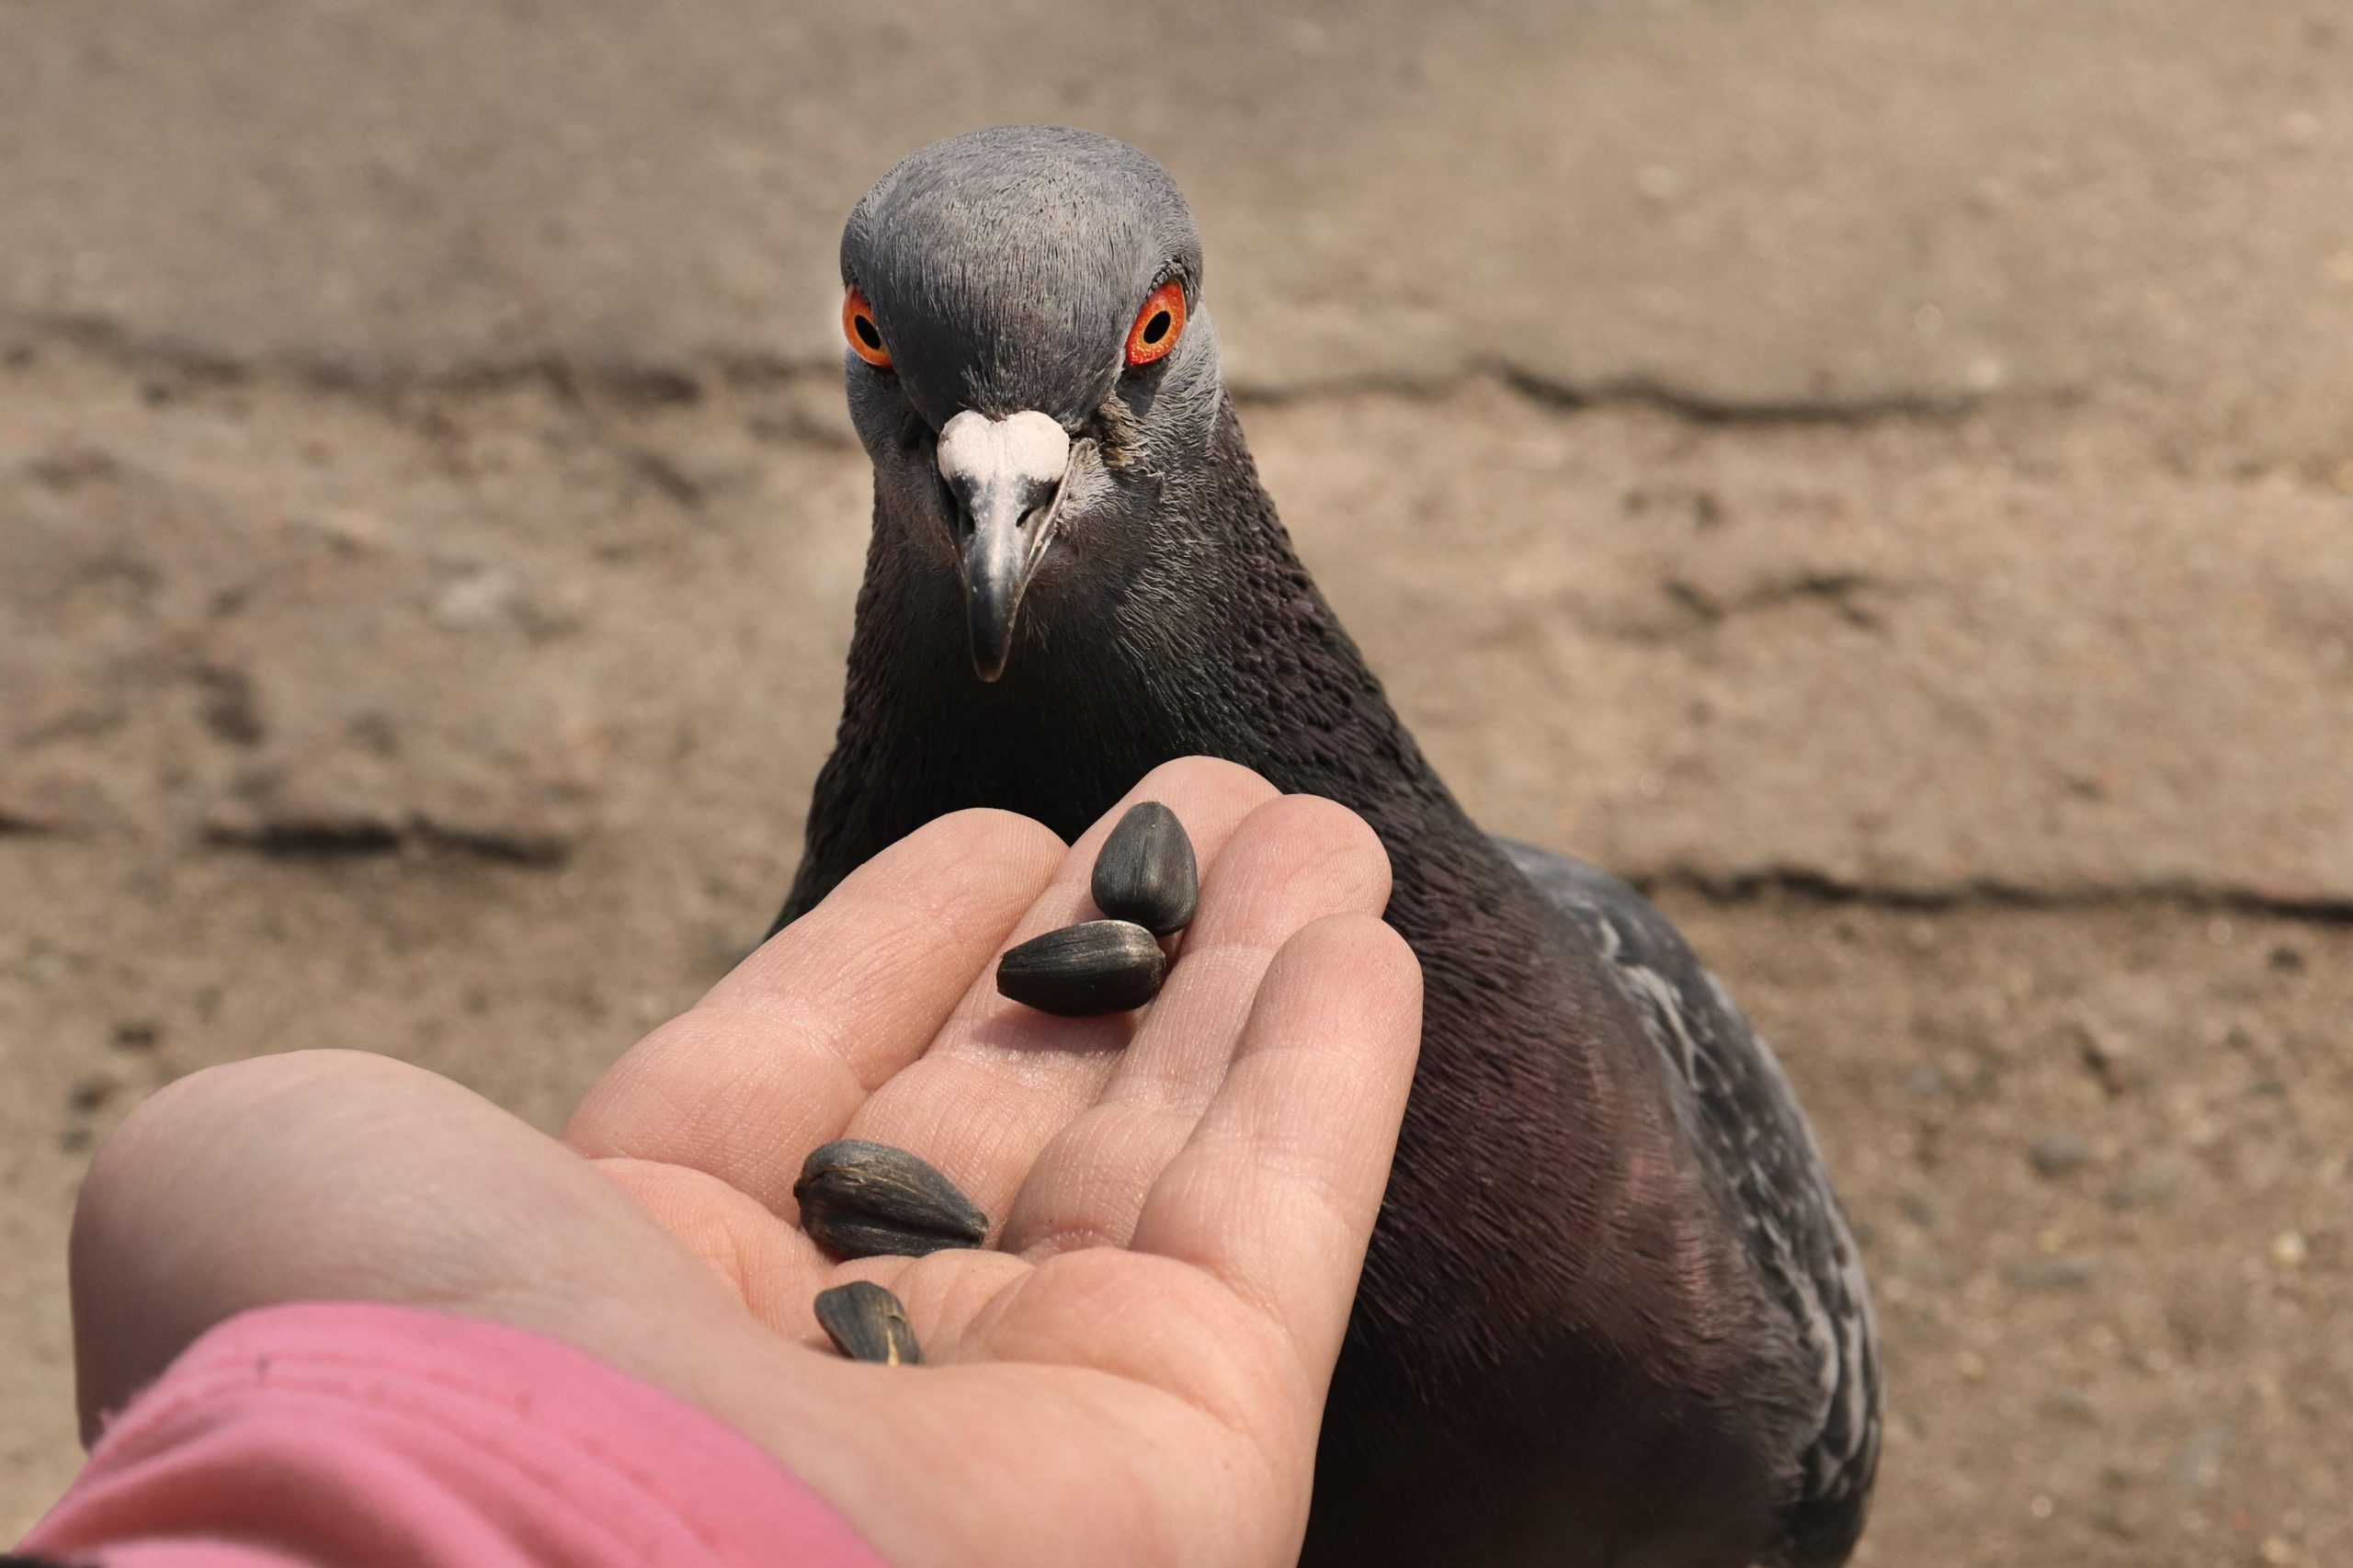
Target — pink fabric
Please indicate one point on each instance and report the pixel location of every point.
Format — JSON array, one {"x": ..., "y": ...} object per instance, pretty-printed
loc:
[{"x": 361, "y": 1435}]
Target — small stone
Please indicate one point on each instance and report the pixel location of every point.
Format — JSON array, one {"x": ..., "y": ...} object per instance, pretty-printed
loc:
[
  {"x": 1940, "y": 1272},
  {"x": 1146, "y": 872},
  {"x": 2112, "y": 1055},
  {"x": 2067, "y": 1402},
  {"x": 231, "y": 706},
  {"x": 1101, "y": 966},
  {"x": 71, "y": 464},
  {"x": 863, "y": 1199},
  {"x": 2050, "y": 1274},
  {"x": 866, "y": 1322},
  {"x": 2198, "y": 1464},
  {"x": 2056, "y": 1153},
  {"x": 31, "y": 819},
  {"x": 1927, "y": 1084},
  {"x": 137, "y": 1034},
  {"x": 91, "y": 1094},
  {"x": 2149, "y": 1182},
  {"x": 478, "y": 600},
  {"x": 348, "y": 528}
]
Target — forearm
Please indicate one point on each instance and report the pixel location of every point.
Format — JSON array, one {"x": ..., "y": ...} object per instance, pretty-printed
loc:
[{"x": 358, "y": 1436}]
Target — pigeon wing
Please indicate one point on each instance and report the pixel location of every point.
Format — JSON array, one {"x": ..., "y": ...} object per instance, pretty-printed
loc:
[{"x": 1745, "y": 1122}]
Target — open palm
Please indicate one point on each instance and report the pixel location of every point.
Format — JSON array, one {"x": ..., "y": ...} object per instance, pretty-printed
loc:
[{"x": 1132, "y": 1371}]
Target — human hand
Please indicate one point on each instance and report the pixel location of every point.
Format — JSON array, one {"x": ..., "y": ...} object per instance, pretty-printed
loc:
[{"x": 1134, "y": 1372}]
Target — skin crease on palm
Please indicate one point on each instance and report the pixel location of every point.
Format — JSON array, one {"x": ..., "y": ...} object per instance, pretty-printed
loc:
[{"x": 1135, "y": 1370}]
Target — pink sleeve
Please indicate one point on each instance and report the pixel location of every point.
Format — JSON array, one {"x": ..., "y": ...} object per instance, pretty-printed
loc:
[{"x": 362, "y": 1436}]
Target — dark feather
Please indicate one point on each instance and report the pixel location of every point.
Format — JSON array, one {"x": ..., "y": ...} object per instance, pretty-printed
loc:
[{"x": 1745, "y": 1122}]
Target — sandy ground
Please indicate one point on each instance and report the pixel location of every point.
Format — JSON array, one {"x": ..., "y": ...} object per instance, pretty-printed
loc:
[{"x": 1878, "y": 474}]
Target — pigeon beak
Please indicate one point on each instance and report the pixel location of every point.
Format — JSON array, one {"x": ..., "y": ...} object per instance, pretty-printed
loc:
[{"x": 1005, "y": 475}]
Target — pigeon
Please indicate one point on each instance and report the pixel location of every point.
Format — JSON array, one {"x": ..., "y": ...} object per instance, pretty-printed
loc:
[{"x": 1611, "y": 1311}]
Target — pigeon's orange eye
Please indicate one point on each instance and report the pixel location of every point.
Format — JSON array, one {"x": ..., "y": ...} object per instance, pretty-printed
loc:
[
  {"x": 865, "y": 338},
  {"x": 1159, "y": 325}
]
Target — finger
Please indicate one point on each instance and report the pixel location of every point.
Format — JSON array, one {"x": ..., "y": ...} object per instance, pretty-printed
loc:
[
  {"x": 780, "y": 1054},
  {"x": 1275, "y": 1190},
  {"x": 1295, "y": 860},
  {"x": 1002, "y": 1078}
]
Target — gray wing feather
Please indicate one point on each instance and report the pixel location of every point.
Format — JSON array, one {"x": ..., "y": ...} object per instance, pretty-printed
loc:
[{"x": 1744, "y": 1120}]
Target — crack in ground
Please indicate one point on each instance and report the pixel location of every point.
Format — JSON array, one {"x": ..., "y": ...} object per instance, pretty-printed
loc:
[
  {"x": 588, "y": 381},
  {"x": 328, "y": 840},
  {"x": 1713, "y": 409},
  {"x": 1737, "y": 888}
]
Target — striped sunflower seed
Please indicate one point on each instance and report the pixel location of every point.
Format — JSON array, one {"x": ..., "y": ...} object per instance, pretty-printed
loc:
[
  {"x": 1102, "y": 966},
  {"x": 863, "y": 1199},
  {"x": 866, "y": 1322},
  {"x": 1146, "y": 872}
]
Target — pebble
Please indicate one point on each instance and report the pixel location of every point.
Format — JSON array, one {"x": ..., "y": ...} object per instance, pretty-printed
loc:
[
  {"x": 2112, "y": 1055},
  {"x": 2056, "y": 1153},
  {"x": 2050, "y": 1274},
  {"x": 2067, "y": 1402},
  {"x": 1927, "y": 1084},
  {"x": 2152, "y": 1181},
  {"x": 137, "y": 1034},
  {"x": 2198, "y": 1464}
]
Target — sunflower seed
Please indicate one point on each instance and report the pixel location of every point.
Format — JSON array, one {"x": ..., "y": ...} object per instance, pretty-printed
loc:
[
  {"x": 866, "y": 1322},
  {"x": 1146, "y": 871},
  {"x": 1103, "y": 966},
  {"x": 864, "y": 1199}
]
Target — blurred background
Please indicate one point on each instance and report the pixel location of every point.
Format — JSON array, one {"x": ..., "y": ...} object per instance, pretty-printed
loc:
[{"x": 1877, "y": 472}]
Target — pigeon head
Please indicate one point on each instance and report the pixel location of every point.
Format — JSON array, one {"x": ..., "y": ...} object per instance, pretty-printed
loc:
[{"x": 1029, "y": 362}]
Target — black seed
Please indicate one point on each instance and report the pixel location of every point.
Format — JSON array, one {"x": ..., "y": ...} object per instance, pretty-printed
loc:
[
  {"x": 1103, "y": 966},
  {"x": 866, "y": 1322},
  {"x": 1146, "y": 871},
  {"x": 864, "y": 1199}
]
